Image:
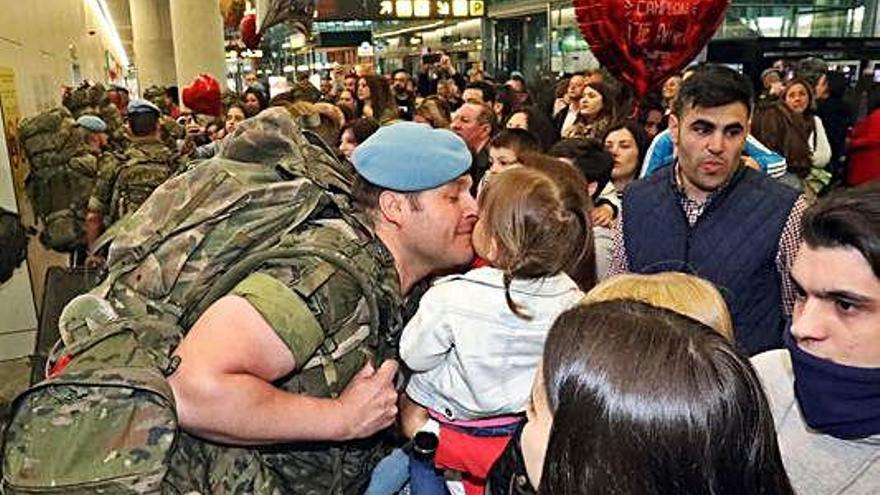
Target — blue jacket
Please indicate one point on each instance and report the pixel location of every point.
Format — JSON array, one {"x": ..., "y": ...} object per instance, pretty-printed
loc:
[
  {"x": 733, "y": 244},
  {"x": 662, "y": 153}
]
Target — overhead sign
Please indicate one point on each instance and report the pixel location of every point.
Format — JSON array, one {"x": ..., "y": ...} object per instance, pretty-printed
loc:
[
  {"x": 430, "y": 9},
  {"x": 336, "y": 10}
]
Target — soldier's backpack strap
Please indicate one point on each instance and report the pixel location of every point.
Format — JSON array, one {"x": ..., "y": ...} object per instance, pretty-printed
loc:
[
  {"x": 242, "y": 269},
  {"x": 138, "y": 254},
  {"x": 330, "y": 350}
]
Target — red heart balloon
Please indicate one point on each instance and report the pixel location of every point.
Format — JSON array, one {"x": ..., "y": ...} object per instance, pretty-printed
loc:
[
  {"x": 248, "y": 30},
  {"x": 642, "y": 42}
]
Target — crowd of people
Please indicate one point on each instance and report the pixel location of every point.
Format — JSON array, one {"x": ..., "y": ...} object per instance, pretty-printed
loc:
[{"x": 584, "y": 293}]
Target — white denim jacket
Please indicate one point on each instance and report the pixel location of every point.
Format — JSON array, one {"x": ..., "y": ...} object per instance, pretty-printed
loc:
[{"x": 472, "y": 357}]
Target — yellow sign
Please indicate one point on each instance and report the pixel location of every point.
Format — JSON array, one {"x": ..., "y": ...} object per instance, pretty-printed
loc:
[
  {"x": 430, "y": 9},
  {"x": 11, "y": 116}
]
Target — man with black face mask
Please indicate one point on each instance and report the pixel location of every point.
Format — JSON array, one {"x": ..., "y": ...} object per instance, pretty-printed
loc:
[
  {"x": 824, "y": 388},
  {"x": 403, "y": 94}
]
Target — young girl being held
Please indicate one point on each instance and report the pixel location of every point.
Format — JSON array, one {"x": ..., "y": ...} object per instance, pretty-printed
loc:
[{"x": 476, "y": 339}]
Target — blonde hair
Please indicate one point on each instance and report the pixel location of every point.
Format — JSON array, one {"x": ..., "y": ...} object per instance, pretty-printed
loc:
[
  {"x": 538, "y": 223},
  {"x": 685, "y": 294}
]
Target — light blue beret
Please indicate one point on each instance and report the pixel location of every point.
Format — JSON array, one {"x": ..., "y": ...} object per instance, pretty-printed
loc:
[
  {"x": 411, "y": 157},
  {"x": 142, "y": 106},
  {"x": 92, "y": 123}
]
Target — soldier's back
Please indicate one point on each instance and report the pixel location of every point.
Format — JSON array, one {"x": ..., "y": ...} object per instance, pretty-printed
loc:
[{"x": 147, "y": 164}]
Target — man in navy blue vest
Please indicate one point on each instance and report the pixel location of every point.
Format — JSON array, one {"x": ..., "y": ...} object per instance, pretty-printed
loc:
[{"x": 711, "y": 216}]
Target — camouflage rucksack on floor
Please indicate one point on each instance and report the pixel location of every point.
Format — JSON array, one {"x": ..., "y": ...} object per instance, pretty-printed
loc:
[
  {"x": 13, "y": 243},
  {"x": 197, "y": 236},
  {"x": 62, "y": 175}
]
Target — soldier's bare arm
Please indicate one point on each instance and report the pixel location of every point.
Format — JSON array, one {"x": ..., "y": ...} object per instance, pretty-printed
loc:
[{"x": 224, "y": 392}]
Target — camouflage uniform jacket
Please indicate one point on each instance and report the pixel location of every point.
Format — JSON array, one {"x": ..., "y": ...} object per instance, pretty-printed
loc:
[
  {"x": 122, "y": 186},
  {"x": 315, "y": 309}
]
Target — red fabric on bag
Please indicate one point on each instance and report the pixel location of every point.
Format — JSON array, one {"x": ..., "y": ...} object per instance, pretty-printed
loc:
[{"x": 470, "y": 455}]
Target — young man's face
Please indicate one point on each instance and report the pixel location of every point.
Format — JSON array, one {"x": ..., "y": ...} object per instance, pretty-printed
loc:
[
  {"x": 837, "y": 311},
  {"x": 709, "y": 143}
]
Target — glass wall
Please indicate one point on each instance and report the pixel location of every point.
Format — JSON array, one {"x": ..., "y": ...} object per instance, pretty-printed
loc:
[{"x": 518, "y": 44}]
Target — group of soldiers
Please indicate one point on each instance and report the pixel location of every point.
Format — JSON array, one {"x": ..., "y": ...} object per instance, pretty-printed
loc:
[{"x": 94, "y": 160}]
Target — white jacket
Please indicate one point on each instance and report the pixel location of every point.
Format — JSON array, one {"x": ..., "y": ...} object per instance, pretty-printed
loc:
[{"x": 472, "y": 357}]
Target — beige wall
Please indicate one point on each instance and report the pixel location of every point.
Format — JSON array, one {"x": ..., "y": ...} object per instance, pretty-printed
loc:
[{"x": 35, "y": 41}]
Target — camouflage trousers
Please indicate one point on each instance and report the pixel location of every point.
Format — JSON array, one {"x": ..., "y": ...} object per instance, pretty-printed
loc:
[{"x": 313, "y": 468}]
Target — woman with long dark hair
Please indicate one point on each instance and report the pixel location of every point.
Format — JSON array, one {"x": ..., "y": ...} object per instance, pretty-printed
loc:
[
  {"x": 638, "y": 399},
  {"x": 375, "y": 99},
  {"x": 596, "y": 113},
  {"x": 798, "y": 97},
  {"x": 780, "y": 130}
]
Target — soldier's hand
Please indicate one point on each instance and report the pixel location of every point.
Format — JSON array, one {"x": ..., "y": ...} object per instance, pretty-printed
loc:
[{"x": 369, "y": 402}]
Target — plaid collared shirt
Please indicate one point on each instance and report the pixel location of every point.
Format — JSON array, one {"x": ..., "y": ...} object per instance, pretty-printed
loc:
[{"x": 789, "y": 240}]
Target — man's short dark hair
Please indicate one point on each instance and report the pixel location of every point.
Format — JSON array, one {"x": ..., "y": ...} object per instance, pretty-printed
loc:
[
  {"x": 519, "y": 140},
  {"x": 837, "y": 84},
  {"x": 398, "y": 71},
  {"x": 143, "y": 124},
  {"x": 847, "y": 218},
  {"x": 590, "y": 157},
  {"x": 487, "y": 89},
  {"x": 714, "y": 86},
  {"x": 365, "y": 197}
]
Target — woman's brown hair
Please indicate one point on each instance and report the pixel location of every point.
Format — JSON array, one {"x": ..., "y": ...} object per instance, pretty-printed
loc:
[
  {"x": 381, "y": 99},
  {"x": 436, "y": 111},
  {"x": 807, "y": 116},
  {"x": 538, "y": 222},
  {"x": 776, "y": 127}
]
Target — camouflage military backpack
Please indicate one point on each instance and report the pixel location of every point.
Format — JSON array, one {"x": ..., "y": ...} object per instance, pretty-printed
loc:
[
  {"x": 13, "y": 243},
  {"x": 196, "y": 238},
  {"x": 91, "y": 99},
  {"x": 105, "y": 424},
  {"x": 146, "y": 167},
  {"x": 62, "y": 175}
]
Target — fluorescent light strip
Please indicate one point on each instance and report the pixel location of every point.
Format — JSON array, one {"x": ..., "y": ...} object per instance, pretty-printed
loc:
[
  {"x": 410, "y": 30},
  {"x": 100, "y": 6}
]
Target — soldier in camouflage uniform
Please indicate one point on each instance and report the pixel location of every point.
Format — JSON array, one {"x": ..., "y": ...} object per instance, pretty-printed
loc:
[
  {"x": 266, "y": 406},
  {"x": 147, "y": 163},
  {"x": 104, "y": 160}
]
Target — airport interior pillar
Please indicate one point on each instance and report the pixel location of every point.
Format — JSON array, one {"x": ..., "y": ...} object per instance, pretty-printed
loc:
[
  {"x": 153, "y": 44},
  {"x": 198, "y": 40}
]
